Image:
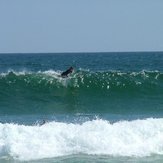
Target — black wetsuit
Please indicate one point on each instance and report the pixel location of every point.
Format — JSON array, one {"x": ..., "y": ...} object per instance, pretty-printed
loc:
[{"x": 65, "y": 73}]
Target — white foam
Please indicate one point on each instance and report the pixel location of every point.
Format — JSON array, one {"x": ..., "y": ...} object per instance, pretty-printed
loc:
[
  {"x": 17, "y": 73},
  {"x": 135, "y": 138},
  {"x": 51, "y": 73},
  {"x": 25, "y": 72}
]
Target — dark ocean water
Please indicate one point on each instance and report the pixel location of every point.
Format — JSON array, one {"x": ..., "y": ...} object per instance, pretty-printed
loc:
[{"x": 109, "y": 110}]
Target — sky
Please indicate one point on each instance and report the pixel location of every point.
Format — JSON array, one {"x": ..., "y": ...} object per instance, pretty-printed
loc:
[{"x": 34, "y": 26}]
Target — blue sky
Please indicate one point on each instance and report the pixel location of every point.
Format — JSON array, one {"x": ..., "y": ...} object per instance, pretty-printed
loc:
[{"x": 80, "y": 25}]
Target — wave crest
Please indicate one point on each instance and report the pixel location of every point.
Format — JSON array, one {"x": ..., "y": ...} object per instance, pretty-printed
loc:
[{"x": 109, "y": 80}]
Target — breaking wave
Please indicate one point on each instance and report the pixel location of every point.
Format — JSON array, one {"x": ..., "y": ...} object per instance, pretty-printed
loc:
[
  {"x": 82, "y": 92},
  {"x": 109, "y": 80},
  {"x": 138, "y": 138}
]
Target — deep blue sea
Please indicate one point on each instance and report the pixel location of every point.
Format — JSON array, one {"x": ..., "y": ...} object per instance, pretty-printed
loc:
[{"x": 110, "y": 109}]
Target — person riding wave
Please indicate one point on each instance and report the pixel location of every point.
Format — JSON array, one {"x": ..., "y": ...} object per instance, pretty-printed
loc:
[{"x": 67, "y": 72}]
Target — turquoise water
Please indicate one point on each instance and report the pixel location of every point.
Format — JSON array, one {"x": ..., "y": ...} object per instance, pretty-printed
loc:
[{"x": 109, "y": 110}]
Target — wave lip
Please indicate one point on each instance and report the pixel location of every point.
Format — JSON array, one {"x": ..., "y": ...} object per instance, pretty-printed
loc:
[
  {"x": 138, "y": 138},
  {"x": 87, "y": 79}
]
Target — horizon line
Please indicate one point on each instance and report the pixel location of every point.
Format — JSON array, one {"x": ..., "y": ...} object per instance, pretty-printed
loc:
[{"x": 80, "y": 52}]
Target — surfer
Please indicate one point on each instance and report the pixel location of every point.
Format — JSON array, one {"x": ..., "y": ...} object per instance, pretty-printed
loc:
[
  {"x": 43, "y": 122},
  {"x": 67, "y": 72}
]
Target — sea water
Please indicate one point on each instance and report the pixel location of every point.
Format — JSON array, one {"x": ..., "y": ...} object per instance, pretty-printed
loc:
[{"x": 109, "y": 110}]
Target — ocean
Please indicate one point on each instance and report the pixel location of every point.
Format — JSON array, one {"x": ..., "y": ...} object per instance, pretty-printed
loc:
[{"x": 109, "y": 110}]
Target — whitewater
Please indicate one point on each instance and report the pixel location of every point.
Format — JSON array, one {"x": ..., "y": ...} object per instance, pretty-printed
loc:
[{"x": 136, "y": 138}]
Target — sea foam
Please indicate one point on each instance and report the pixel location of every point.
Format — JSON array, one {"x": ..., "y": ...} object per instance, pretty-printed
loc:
[{"x": 137, "y": 138}]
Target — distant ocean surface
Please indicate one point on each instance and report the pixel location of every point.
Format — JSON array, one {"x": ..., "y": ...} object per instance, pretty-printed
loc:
[{"x": 109, "y": 110}]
